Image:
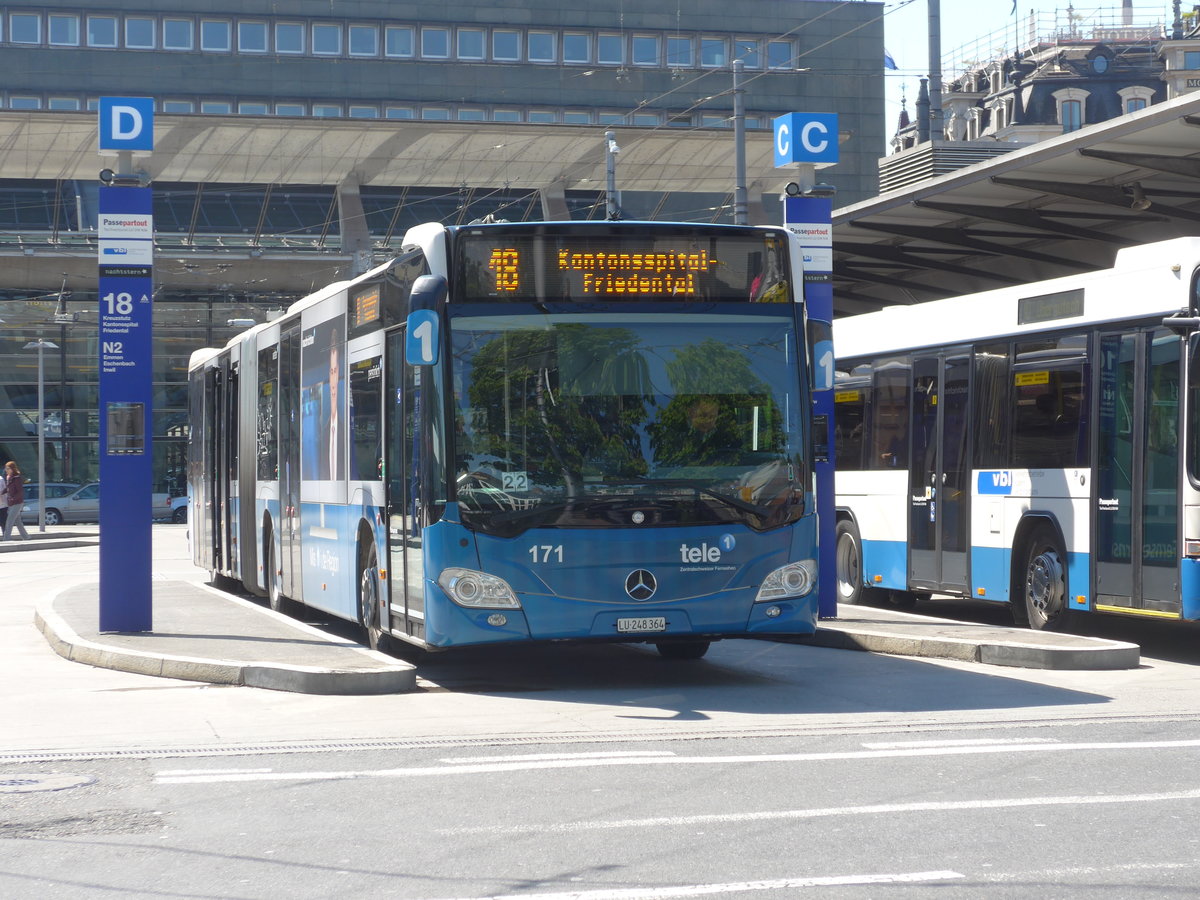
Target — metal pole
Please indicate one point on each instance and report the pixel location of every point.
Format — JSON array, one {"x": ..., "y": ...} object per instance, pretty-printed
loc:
[
  {"x": 41, "y": 345},
  {"x": 936, "y": 131},
  {"x": 41, "y": 439},
  {"x": 610, "y": 164},
  {"x": 739, "y": 146}
]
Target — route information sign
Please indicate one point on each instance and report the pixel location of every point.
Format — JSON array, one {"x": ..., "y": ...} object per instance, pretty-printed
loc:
[{"x": 126, "y": 251}]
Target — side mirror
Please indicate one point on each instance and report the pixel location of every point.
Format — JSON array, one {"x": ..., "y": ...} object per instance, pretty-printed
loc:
[{"x": 428, "y": 292}]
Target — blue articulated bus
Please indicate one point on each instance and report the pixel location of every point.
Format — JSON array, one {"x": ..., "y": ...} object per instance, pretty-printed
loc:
[{"x": 512, "y": 432}]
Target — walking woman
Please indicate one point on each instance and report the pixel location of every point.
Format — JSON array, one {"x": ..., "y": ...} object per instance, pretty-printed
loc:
[{"x": 14, "y": 495}]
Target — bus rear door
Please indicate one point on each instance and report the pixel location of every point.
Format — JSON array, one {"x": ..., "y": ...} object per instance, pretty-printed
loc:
[
  {"x": 1137, "y": 473},
  {"x": 938, "y": 476}
]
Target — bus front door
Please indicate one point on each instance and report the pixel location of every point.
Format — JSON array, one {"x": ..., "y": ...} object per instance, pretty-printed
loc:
[
  {"x": 1137, "y": 473},
  {"x": 289, "y": 464},
  {"x": 938, "y": 476},
  {"x": 402, "y": 469}
]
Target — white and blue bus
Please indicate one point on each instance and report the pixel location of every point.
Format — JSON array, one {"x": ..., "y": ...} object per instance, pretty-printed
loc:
[
  {"x": 1034, "y": 445},
  {"x": 514, "y": 432}
]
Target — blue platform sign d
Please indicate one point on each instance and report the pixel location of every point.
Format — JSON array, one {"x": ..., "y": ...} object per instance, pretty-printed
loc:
[
  {"x": 126, "y": 123},
  {"x": 806, "y": 138},
  {"x": 126, "y": 401}
]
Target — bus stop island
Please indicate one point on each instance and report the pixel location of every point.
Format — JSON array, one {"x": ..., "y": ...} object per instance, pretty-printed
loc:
[{"x": 203, "y": 634}]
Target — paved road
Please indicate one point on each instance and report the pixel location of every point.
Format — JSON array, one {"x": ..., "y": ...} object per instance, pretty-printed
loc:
[{"x": 769, "y": 770}]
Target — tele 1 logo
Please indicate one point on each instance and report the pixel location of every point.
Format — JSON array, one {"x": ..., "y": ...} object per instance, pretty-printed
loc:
[{"x": 704, "y": 553}]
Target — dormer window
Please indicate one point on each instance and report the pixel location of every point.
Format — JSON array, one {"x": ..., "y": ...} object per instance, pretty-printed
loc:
[
  {"x": 1071, "y": 108},
  {"x": 1135, "y": 97}
]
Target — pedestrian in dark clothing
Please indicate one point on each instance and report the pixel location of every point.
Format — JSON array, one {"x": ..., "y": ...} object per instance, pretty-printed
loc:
[{"x": 14, "y": 496}]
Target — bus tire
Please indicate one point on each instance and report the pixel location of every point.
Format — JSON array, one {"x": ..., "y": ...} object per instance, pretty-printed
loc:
[
  {"x": 1042, "y": 583},
  {"x": 683, "y": 649},
  {"x": 848, "y": 548},
  {"x": 275, "y": 598},
  {"x": 368, "y": 600}
]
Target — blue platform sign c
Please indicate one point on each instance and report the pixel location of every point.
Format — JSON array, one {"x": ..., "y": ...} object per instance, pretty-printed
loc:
[
  {"x": 806, "y": 138},
  {"x": 126, "y": 123}
]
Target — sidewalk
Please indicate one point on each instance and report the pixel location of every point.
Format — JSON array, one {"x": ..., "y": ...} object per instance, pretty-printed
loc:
[
  {"x": 889, "y": 630},
  {"x": 201, "y": 634},
  {"x": 59, "y": 537}
]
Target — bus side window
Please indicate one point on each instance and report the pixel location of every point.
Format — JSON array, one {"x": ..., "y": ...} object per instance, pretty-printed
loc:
[
  {"x": 849, "y": 421},
  {"x": 1047, "y": 418},
  {"x": 889, "y": 420},
  {"x": 991, "y": 407}
]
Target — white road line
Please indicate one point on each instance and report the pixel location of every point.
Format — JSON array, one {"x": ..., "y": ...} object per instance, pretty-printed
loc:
[
  {"x": 733, "y": 887},
  {"x": 180, "y": 772},
  {"x": 830, "y": 812},
  {"x": 963, "y": 742},
  {"x": 492, "y": 768},
  {"x": 541, "y": 757}
]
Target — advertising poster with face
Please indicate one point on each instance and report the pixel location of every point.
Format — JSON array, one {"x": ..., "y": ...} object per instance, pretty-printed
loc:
[{"x": 323, "y": 403}]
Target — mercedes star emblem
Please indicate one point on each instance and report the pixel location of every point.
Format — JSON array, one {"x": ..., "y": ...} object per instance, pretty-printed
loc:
[{"x": 640, "y": 584}]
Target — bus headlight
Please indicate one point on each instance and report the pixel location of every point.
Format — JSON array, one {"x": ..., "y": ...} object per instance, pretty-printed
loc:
[
  {"x": 477, "y": 590},
  {"x": 793, "y": 580}
]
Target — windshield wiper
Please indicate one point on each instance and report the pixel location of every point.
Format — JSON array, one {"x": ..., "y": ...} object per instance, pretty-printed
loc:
[
  {"x": 735, "y": 502},
  {"x": 531, "y": 512}
]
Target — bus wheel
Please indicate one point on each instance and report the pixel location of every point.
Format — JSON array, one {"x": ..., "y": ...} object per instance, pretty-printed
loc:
[
  {"x": 849, "y": 563},
  {"x": 682, "y": 649},
  {"x": 1044, "y": 582},
  {"x": 368, "y": 601},
  {"x": 271, "y": 573}
]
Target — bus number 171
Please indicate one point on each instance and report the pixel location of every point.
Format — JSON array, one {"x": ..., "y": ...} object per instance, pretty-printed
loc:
[{"x": 543, "y": 552}]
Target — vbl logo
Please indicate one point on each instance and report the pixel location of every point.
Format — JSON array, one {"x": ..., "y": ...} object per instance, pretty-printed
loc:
[{"x": 1000, "y": 482}]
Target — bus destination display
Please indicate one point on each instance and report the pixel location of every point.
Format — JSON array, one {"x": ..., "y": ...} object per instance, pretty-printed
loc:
[
  {"x": 605, "y": 274},
  {"x": 527, "y": 267}
]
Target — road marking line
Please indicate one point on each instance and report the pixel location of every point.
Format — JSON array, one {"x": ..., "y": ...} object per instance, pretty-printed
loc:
[
  {"x": 830, "y": 812},
  {"x": 698, "y": 890},
  {"x": 541, "y": 757},
  {"x": 964, "y": 742},
  {"x": 180, "y": 772},
  {"x": 651, "y": 760}
]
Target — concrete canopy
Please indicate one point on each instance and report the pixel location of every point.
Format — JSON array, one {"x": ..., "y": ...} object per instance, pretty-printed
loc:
[
  {"x": 1055, "y": 208},
  {"x": 343, "y": 154},
  {"x": 279, "y": 150}
]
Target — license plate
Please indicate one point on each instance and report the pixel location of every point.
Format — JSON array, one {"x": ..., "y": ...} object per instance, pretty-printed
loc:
[{"x": 644, "y": 624}]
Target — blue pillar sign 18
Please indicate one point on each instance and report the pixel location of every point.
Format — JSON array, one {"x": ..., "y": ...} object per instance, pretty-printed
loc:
[{"x": 125, "y": 362}]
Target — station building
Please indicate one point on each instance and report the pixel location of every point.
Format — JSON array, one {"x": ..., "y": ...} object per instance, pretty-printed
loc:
[{"x": 295, "y": 143}]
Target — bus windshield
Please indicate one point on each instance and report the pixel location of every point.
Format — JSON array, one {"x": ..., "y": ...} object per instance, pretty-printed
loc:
[{"x": 572, "y": 420}]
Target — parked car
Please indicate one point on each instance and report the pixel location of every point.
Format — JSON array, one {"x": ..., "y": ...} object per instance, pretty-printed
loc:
[
  {"x": 53, "y": 489},
  {"x": 76, "y": 503},
  {"x": 179, "y": 509}
]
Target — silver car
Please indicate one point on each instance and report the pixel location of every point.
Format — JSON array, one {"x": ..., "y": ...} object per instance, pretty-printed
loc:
[{"x": 75, "y": 503}]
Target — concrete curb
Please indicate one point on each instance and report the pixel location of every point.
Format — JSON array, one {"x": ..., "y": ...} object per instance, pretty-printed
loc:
[
  {"x": 52, "y": 544},
  {"x": 271, "y": 676},
  {"x": 1096, "y": 654}
]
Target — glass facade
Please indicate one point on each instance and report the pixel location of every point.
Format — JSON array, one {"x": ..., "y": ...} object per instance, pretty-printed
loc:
[{"x": 182, "y": 323}]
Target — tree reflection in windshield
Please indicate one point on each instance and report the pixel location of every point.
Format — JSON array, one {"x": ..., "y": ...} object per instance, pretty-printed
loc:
[{"x": 574, "y": 416}]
